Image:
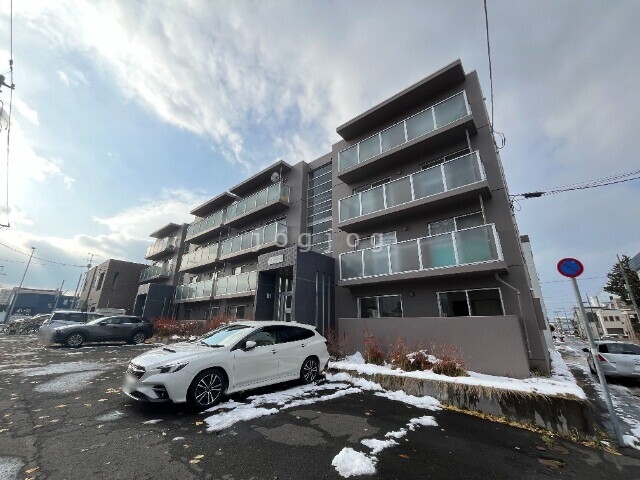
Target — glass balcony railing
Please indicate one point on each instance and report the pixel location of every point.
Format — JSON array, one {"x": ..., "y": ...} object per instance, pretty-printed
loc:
[
  {"x": 161, "y": 245},
  {"x": 243, "y": 282},
  {"x": 433, "y": 118},
  {"x": 450, "y": 175},
  {"x": 200, "y": 257},
  {"x": 274, "y": 232},
  {"x": 461, "y": 247},
  {"x": 155, "y": 271},
  {"x": 273, "y": 193},
  {"x": 208, "y": 223},
  {"x": 202, "y": 289}
]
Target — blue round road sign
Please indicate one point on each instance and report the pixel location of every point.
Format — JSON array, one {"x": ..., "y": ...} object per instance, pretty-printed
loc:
[{"x": 570, "y": 267}]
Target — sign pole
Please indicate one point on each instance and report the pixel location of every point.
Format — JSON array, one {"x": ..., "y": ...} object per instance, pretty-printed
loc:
[{"x": 594, "y": 355}]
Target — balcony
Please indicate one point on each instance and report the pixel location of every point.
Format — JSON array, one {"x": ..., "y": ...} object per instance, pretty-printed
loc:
[
  {"x": 444, "y": 123},
  {"x": 268, "y": 237},
  {"x": 160, "y": 248},
  {"x": 233, "y": 286},
  {"x": 153, "y": 272},
  {"x": 267, "y": 201},
  {"x": 202, "y": 257},
  {"x": 202, "y": 290},
  {"x": 472, "y": 250},
  {"x": 204, "y": 228},
  {"x": 434, "y": 187}
]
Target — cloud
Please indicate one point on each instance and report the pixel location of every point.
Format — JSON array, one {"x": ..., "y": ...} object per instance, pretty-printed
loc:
[
  {"x": 26, "y": 112},
  {"x": 72, "y": 77}
]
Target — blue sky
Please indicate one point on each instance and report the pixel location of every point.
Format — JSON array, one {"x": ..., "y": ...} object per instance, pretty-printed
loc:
[{"x": 128, "y": 114}]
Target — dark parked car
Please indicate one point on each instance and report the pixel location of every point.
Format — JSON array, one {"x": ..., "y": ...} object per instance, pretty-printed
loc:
[{"x": 126, "y": 328}]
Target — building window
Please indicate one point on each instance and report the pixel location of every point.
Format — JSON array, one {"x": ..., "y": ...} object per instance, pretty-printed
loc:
[
  {"x": 461, "y": 222},
  {"x": 115, "y": 279},
  {"x": 99, "y": 281},
  {"x": 377, "y": 240},
  {"x": 447, "y": 157},
  {"x": 319, "y": 209},
  {"x": 380, "y": 306},
  {"x": 485, "y": 302},
  {"x": 236, "y": 311},
  {"x": 369, "y": 186}
]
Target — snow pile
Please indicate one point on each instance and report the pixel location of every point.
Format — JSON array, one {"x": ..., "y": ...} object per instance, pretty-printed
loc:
[
  {"x": 241, "y": 413},
  {"x": 350, "y": 463},
  {"x": 108, "y": 417},
  {"x": 560, "y": 383},
  {"x": 356, "y": 358},
  {"x": 356, "y": 381}
]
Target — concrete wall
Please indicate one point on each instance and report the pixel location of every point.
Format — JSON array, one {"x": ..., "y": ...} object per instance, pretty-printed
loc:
[{"x": 491, "y": 345}]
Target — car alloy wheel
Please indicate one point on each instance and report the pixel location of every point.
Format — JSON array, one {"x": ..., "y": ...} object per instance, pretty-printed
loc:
[
  {"x": 309, "y": 370},
  {"x": 74, "y": 340},
  {"x": 206, "y": 389},
  {"x": 138, "y": 337}
]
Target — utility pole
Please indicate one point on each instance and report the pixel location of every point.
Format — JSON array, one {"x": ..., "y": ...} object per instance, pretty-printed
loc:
[
  {"x": 626, "y": 282},
  {"x": 15, "y": 300},
  {"x": 75, "y": 294},
  {"x": 58, "y": 295},
  {"x": 91, "y": 255}
]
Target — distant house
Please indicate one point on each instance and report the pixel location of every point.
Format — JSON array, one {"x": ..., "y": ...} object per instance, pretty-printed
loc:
[{"x": 31, "y": 301}]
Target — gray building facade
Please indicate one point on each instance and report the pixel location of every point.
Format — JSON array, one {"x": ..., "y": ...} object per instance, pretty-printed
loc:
[
  {"x": 404, "y": 228},
  {"x": 157, "y": 281}
]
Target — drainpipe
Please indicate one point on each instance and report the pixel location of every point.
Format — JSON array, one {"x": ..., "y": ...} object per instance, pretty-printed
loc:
[{"x": 522, "y": 325}]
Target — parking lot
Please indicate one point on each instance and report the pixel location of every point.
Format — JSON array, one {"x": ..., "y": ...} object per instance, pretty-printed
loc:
[{"x": 63, "y": 416}]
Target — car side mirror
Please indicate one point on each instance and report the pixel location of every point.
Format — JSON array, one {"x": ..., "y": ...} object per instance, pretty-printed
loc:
[
  {"x": 585, "y": 350},
  {"x": 250, "y": 345},
  {"x": 102, "y": 324}
]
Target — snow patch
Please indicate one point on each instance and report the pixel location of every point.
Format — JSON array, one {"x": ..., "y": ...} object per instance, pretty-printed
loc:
[
  {"x": 64, "y": 368},
  {"x": 377, "y": 446},
  {"x": 351, "y": 463},
  {"x": 427, "y": 421},
  {"x": 71, "y": 382},
  {"x": 10, "y": 467},
  {"x": 428, "y": 403},
  {"x": 109, "y": 417},
  {"x": 177, "y": 438},
  {"x": 356, "y": 358},
  {"x": 152, "y": 422},
  {"x": 631, "y": 441},
  {"x": 223, "y": 420}
]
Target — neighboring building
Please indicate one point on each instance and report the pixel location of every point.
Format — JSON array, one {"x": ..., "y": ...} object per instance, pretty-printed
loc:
[
  {"x": 606, "y": 320},
  {"x": 5, "y": 294},
  {"x": 634, "y": 263},
  {"x": 157, "y": 281},
  {"x": 564, "y": 325},
  {"x": 410, "y": 231},
  {"x": 32, "y": 301},
  {"x": 112, "y": 284},
  {"x": 536, "y": 289}
]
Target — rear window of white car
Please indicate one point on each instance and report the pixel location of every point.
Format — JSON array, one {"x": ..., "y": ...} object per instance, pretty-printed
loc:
[{"x": 619, "y": 348}]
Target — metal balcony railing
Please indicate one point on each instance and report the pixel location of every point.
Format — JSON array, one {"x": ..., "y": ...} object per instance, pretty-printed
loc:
[
  {"x": 452, "y": 174},
  {"x": 273, "y": 193},
  {"x": 191, "y": 291},
  {"x": 242, "y": 282},
  {"x": 200, "y": 257},
  {"x": 274, "y": 232},
  {"x": 155, "y": 271},
  {"x": 208, "y": 223},
  {"x": 461, "y": 247},
  {"x": 161, "y": 245},
  {"x": 433, "y": 118}
]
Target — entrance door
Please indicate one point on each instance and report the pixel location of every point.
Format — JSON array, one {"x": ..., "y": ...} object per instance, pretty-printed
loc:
[{"x": 284, "y": 303}]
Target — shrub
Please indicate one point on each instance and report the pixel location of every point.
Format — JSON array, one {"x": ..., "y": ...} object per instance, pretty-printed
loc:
[
  {"x": 372, "y": 351},
  {"x": 421, "y": 360},
  {"x": 400, "y": 354},
  {"x": 165, "y": 327},
  {"x": 336, "y": 344},
  {"x": 449, "y": 362},
  {"x": 216, "y": 322}
]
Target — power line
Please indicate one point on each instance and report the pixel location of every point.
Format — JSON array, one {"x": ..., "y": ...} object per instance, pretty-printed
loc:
[
  {"x": 602, "y": 182},
  {"x": 486, "y": 23},
  {"x": 43, "y": 259}
]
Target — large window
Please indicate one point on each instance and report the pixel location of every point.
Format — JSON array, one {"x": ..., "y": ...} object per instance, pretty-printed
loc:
[
  {"x": 381, "y": 306},
  {"x": 486, "y": 302},
  {"x": 319, "y": 206}
]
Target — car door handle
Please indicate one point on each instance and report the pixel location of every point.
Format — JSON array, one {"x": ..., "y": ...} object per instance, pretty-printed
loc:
[
  {"x": 302, "y": 345},
  {"x": 273, "y": 351}
]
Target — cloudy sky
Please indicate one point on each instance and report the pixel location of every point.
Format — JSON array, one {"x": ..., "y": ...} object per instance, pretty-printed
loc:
[{"x": 128, "y": 114}]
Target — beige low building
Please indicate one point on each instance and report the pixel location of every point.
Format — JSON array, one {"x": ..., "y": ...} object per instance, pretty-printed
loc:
[{"x": 608, "y": 319}]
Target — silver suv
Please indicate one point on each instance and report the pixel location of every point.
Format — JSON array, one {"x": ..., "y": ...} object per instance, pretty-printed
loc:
[
  {"x": 70, "y": 317},
  {"x": 617, "y": 359}
]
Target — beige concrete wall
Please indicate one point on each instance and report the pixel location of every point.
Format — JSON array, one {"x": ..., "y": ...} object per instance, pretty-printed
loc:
[{"x": 492, "y": 345}]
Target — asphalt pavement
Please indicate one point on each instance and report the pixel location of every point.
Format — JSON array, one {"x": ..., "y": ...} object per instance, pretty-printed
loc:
[{"x": 62, "y": 416}]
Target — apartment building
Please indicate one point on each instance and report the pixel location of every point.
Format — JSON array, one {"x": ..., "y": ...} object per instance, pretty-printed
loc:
[
  {"x": 611, "y": 318},
  {"x": 229, "y": 267},
  {"x": 157, "y": 281},
  {"x": 112, "y": 284},
  {"x": 403, "y": 228}
]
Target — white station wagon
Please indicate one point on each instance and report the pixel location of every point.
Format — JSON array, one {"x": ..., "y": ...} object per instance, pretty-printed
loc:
[{"x": 239, "y": 356}]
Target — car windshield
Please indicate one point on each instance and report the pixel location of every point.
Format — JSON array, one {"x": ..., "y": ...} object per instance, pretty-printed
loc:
[{"x": 226, "y": 336}]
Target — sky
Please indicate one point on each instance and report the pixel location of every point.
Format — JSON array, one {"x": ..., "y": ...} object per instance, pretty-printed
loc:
[{"x": 126, "y": 115}]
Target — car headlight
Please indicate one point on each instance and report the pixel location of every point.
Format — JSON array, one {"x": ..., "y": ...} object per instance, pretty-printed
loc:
[{"x": 172, "y": 367}]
